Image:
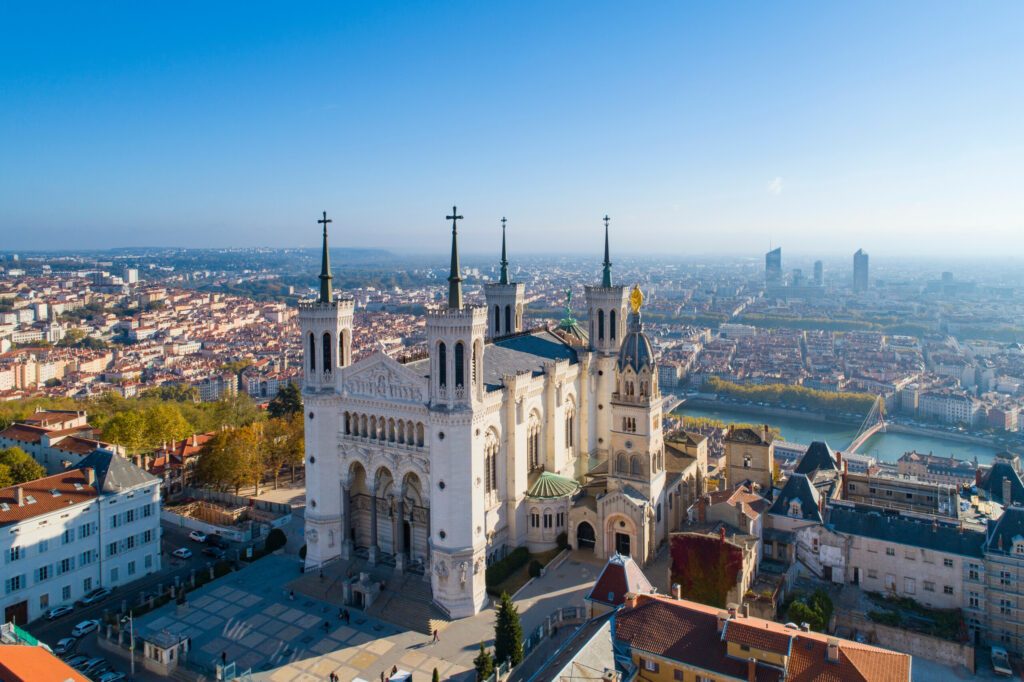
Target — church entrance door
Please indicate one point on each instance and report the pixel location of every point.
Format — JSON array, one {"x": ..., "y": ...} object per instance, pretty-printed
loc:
[
  {"x": 622, "y": 544},
  {"x": 585, "y": 537},
  {"x": 407, "y": 537}
]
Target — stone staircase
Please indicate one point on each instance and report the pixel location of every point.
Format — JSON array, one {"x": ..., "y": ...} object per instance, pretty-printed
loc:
[{"x": 407, "y": 603}]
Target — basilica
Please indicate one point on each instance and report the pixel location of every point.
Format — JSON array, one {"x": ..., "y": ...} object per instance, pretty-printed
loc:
[{"x": 499, "y": 438}]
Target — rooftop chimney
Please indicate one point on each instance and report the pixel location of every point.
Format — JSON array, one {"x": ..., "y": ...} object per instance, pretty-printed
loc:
[
  {"x": 630, "y": 598},
  {"x": 751, "y": 669},
  {"x": 721, "y": 533},
  {"x": 977, "y": 477},
  {"x": 722, "y": 617},
  {"x": 805, "y": 627},
  {"x": 832, "y": 650},
  {"x": 1007, "y": 492},
  {"x": 19, "y": 494},
  {"x": 745, "y": 609},
  {"x": 90, "y": 475},
  {"x": 677, "y": 591}
]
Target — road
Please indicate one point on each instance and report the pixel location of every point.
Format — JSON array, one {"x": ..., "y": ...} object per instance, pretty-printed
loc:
[{"x": 172, "y": 567}]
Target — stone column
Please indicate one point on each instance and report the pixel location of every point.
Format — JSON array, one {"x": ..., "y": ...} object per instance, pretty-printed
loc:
[
  {"x": 399, "y": 535},
  {"x": 346, "y": 523},
  {"x": 426, "y": 559},
  {"x": 373, "y": 527}
]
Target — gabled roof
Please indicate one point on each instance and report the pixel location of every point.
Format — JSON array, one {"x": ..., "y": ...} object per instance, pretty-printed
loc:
[
  {"x": 71, "y": 487},
  {"x": 23, "y": 662},
  {"x": 749, "y": 435},
  {"x": 620, "y": 576},
  {"x": 819, "y": 457},
  {"x": 992, "y": 483},
  {"x": 550, "y": 485},
  {"x": 115, "y": 473},
  {"x": 798, "y": 487},
  {"x": 1001, "y": 533}
]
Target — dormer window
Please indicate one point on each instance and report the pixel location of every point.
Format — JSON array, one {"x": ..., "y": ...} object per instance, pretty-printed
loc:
[{"x": 796, "y": 509}]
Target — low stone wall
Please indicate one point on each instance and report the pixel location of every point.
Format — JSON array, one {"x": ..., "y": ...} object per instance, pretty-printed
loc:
[
  {"x": 182, "y": 521},
  {"x": 229, "y": 500},
  {"x": 908, "y": 642}
]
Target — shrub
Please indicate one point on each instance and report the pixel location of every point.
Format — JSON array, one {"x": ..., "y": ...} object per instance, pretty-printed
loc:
[
  {"x": 563, "y": 540},
  {"x": 276, "y": 539},
  {"x": 535, "y": 568},
  {"x": 483, "y": 663},
  {"x": 302, "y": 553},
  {"x": 499, "y": 570}
]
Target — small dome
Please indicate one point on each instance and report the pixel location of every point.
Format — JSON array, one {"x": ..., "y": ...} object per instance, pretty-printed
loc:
[{"x": 636, "y": 350}]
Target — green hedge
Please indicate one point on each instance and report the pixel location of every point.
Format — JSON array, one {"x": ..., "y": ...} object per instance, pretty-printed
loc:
[{"x": 498, "y": 571}]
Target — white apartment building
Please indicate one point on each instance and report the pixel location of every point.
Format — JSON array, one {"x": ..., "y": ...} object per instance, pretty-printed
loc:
[
  {"x": 62, "y": 536},
  {"x": 950, "y": 408}
]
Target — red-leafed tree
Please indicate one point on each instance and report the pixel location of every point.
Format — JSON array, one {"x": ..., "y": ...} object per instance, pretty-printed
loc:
[{"x": 705, "y": 568}]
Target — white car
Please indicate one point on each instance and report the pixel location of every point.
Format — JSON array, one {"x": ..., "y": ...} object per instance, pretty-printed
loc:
[
  {"x": 85, "y": 627},
  {"x": 1001, "y": 662},
  {"x": 182, "y": 553},
  {"x": 112, "y": 676},
  {"x": 197, "y": 536},
  {"x": 58, "y": 611},
  {"x": 65, "y": 646}
]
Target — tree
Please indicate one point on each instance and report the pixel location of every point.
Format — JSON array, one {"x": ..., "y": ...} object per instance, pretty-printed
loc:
[
  {"x": 20, "y": 466},
  {"x": 163, "y": 422},
  {"x": 127, "y": 429},
  {"x": 436, "y": 677},
  {"x": 283, "y": 445},
  {"x": 287, "y": 402},
  {"x": 484, "y": 664},
  {"x": 508, "y": 633},
  {"x": 230, "y": 460},
  {"x": 6, "y": 479}
]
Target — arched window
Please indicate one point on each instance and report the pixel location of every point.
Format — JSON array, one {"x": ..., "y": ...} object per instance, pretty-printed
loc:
[
  {"x": 508, "y": 319},
  {"x": 327, "y": 352},
  {"x": 442, "y": 362},
  {"x": 341, "y": 348},
  {"x": 362, "y": 426},
  {"x": 373, "y": 427},
  {"x": 600, "y": 325},
  {"x": 348, "y": 424},
  {"x": 620, "y": 464},
  {"x": 491, "y": 463},
  {"x": 634, "y": 466},
  {"x": 460, "y": 365},
  {"x": 570, "y": 427},
  {"x": 497, "y": 319},
  {"x": 312, "y": 352},
  {"x": 419, "y": 435},
  {"x": 533, "y": 442},
  {"x": 474, "y": 361},
  {"x": 611, "y": 324}
]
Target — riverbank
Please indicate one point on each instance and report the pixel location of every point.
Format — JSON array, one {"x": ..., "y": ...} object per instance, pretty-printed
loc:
[
  {"x": 945, "y": 435},
  {"x": 711, "y": 404}
]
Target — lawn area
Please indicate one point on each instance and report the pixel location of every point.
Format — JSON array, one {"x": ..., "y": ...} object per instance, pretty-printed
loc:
[{"x": 520, "y": 577}]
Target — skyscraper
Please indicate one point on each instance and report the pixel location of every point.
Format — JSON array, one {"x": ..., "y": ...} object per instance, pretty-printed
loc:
[
  {"x": 860, "y": 270},
  {"x": 819, "y": 273},
  {"x": 773, "y": 267}
]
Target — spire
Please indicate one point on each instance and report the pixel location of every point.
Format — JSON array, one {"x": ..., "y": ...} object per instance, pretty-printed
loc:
[
  {"x": 504, "y": 256},
  {"x": 325, "y": 266},
  {"x": 455, "y": 274},
  {"x": 606, "y": 277}
]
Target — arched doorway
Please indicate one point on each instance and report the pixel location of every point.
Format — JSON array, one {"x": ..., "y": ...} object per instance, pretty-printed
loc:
[{"x": 585, "y": 536}]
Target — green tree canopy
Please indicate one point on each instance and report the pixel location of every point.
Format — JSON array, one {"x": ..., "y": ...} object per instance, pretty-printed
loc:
[
  {"x": 20, "y": 466},
  {"x": 508, "y": 632},
  {"x": 483, "y": 663},
  {"x": 287, "y": 402}
]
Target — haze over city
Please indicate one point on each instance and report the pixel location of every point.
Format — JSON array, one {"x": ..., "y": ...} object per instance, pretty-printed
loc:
[{"x": 699, "y": 128}]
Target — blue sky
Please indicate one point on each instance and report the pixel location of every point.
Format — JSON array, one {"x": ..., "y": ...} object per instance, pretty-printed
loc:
[{"x": 699, "y": 127}]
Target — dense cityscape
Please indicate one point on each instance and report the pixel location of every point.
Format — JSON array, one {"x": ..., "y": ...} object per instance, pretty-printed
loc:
[{"x": 522, "y": 342}]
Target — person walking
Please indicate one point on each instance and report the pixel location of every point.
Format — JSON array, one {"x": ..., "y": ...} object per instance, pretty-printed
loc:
[{"x": 437, "y": 636}]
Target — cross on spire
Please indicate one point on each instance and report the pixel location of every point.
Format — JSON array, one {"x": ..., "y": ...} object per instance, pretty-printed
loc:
[
  {"x": 325, "y": 265},
  {"x": 504, "y": 256},
  {"x": 455, "y": 274},
  {"x": 606, "y": 275}
]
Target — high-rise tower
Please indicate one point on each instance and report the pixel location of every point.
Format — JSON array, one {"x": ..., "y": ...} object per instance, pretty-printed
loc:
[
  {"x": 504, "y": 299},
  {"x": 860, "y": 270}
]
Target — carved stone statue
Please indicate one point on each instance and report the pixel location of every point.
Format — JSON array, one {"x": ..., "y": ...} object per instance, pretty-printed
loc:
[{"x": 312, "y": 536}]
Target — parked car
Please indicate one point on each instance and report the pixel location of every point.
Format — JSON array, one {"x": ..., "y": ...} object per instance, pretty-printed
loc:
[
  {"x": 1001, "y": 662},
  {"x": 58, "y": 611},
  {"x": 182, "y": 552},
  {"x": 112, "y": 676},
  {"x": 77, "y": 660},
  {"x": 94, "y": 666},
  {"x": 214, "y": 552},
  {"x": 97, "y": 595},
  {"x": 65, "y": 646},
  {"x": 197, "y": 536},
  {"x": 85, "y": 627},
  {"x": 216, "y": 541}
]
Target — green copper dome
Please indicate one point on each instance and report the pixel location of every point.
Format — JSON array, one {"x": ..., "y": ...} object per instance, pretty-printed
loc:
[{"x": 551, "y": 485}]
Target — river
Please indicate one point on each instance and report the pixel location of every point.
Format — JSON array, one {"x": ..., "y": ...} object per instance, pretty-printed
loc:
[{"x": 886, "y": 447}]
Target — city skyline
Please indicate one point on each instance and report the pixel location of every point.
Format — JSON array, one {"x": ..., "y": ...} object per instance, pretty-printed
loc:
[{"x": 698, "y": 130}]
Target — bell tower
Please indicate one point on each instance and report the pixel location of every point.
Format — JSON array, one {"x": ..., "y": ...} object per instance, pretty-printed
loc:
[
  {"x": 606, "y": 306},
  {"x": 458, "y": 545},
  {"x": 504, "y": 299},
  {"x": 326, "y": 324}
]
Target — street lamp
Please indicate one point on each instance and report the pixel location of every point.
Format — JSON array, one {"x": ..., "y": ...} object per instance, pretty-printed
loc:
[{"x": 131, "y": 642}]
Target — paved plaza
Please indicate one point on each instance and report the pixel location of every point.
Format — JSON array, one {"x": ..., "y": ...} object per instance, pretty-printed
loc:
[{"x": 250, "y": 616}]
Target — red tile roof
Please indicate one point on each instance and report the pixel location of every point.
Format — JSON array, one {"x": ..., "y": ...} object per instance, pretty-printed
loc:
[
  {"x": 24, "y": 433},
  {"x": 620, "y": 576},
  {"x": 41, "y": 490},
  {"x": 687, "y": 632}
]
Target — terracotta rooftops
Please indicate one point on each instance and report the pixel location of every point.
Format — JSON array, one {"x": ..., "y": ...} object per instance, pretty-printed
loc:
[
  {"x": 700, "y": 636},
  {"x": 45, "y": 495},
  {"x": 25, "y": 663},
  {"x": 24, "y": 433},
  {"x": 620, "y": 576}
]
